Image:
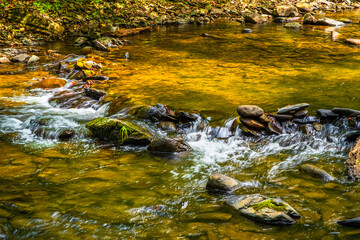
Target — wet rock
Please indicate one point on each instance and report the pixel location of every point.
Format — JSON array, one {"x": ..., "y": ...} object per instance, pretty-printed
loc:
[
  {"x": 282, "y": 117},
  {"x": 235, "y": 124},
  {"x": 293, "y": 108},
  {"x": 326, "y": 115},
  {"x": 316, "y": 172},
  {"x": 267, "y": 11},
  {"x": 33, "y": 59},
  {"x": 306, "y": 129},
  {"x": 317, "y": 126},
  {"x": 264, "y": 209},
  {"x": 94, "y": 93},
  {"x": 97, "y": 78},
  {"x": 346, "y": 112},
  {"x": 353, "y": 162},
  {"x": 119, "y": 104},
  {"x": 249, "y": 131},
  {"x": 185, "y": 117},
  {"x": 251, "y": 123},
  {"x": 20, "y": 58},
  {"x": 66, "y": 135},
  {"x": 119, "y": 131},
  {"x": 353, "y": 41},
  {"x": 274, "y": 127},
  {"x": 329, "y": 22},
  {"x": 353, "y": 222},
  {"x": 264, "y": 119},
  {"x": 286, "y": 19},
  {"x": 80, "y": 41},
  {"x": 306, "y": 120},
  {"x": 304, "y": 7},
  {"x": 47, "y": 83},
  {"x": 301, "y": 114},
  {"x": 352, "y": 136},
  {"x": 293, "y": 25},
  {"x": 4, "y": 60},
  {"x": 155, "y": 113},
  {"x": 334, "y": 35},
  {"x": 169, "y": 145},
  {"x": 286, "y": 11},
  {"x": 249, "y": 111},
  {"x": 167, "y": 126},
  {"x": 247, "y": 30},
  {"x": 220, "y": 182},
  {"x": 309, "y": 19},
  {"x": 253, "y": 18}
]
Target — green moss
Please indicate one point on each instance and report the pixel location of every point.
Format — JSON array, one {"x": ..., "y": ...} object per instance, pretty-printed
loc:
[
  {"x": 269, "y": 203},
  {"x": 118, "y": 131}
]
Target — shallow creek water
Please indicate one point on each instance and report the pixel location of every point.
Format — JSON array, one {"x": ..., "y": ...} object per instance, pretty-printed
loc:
[{"x": 87, "y": 190}]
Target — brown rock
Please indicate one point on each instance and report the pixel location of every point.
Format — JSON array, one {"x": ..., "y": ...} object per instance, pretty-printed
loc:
[
  {"x": 253, "y": 18},
  {"x": 49, "y": 83},
  {"x": 249, "y": 111},
  {"x": 221, "y": 182},
  {"x": 304, "y": 7},
  {"x": 309, "y": 19},
  {"x": 353, "y": 162},
  {"x": 251, "y": 123},
  {"x": 169, "y": 145},
  {"x": 4, "y": 60},
  {"x": 20, "y": 58},
  {"x": 301, "y": 114}
]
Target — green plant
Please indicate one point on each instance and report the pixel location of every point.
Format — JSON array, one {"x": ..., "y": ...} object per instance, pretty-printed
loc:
[
  {"x": 124, "y": 133},
  {"x": 269, "y": 203}
]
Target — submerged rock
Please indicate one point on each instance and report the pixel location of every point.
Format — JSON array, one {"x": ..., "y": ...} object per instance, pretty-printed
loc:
[
  {"x": 119, "y": 131},
  {"x": 293, "y": 25},
  {"x": 247, "y": 30},
  {"x": 316, "y": 172},
  {"x": 264, "y": 209},
  {"x": 94, "y": 93},
  {"x": 66, "y": 135},
  {"x": 249, "y": 111},
  {"x": 221, "y": 182},
  {"x": 167, "y": 126},
  {"x": 213, "y": 216},
  {"x": 155, "y": 113},
  {"x": 169, "y": 145},
  {"x": 293, "y": 108},
  {"x": 46, "y": 83},
  {"x": 353, "y": 222},
  {"x": 353, "y": 161}
]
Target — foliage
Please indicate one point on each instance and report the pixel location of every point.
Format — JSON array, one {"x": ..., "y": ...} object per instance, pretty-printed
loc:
[{"x": 124, "y": 131}]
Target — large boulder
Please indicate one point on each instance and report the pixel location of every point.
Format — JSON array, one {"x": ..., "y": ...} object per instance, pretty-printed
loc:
[
  {"x": 304, "y": 7},
  {"x": 353, "y": 161},
  {"x": 220, "y": 182},
  {"x": 286, "y": 11},
  {"x": 264, "y": 209},
  {"x": 169, "y": 145},
  {"x": 119, "y": 131}
]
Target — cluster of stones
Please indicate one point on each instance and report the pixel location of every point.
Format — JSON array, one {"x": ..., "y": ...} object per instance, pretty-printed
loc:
[
  {"x": 254, "y": 206},
  {"x": 24, "y": 56}
]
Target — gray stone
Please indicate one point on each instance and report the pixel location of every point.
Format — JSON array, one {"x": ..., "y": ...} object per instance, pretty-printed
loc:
[
  {"x": 326, "y": 115},
  {"x": 250, "y": 111},
  {"x": 221, "y": 182},
  {"x": 293, "y": 108},
  {"x": 20, "y": 58},
  {"x": 265, "y": 209},
  {"x": 33, "y": 59},
  {"x": 346, "y": 112},
  {"x": 301, "y": 114},
  {"x": 329, "y": 22},
  {"x": 316, "y": 172}
]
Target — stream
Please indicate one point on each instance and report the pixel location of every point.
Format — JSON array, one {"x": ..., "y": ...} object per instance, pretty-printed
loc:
[{"x": 84, "y": 189}]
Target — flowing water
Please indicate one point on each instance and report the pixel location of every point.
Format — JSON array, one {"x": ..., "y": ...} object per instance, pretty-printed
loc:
[{"x": 83, "y": 189}]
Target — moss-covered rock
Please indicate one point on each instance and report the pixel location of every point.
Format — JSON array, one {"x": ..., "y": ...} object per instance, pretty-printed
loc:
[{"x": 119, "y": 131}]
